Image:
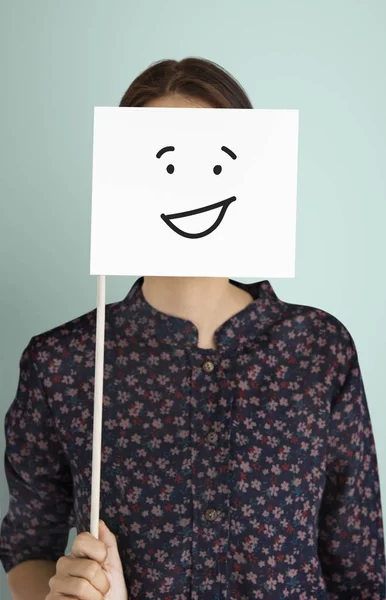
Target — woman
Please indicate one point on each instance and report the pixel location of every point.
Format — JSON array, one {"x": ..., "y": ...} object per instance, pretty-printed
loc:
[{"x": 238, "y": 459}]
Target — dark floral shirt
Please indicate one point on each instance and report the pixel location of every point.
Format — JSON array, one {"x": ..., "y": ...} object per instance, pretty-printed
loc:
[{"x": 241, "y": 473}]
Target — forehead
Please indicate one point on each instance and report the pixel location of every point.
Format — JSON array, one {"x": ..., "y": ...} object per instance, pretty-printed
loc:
[{"x": 177, "y": 101}]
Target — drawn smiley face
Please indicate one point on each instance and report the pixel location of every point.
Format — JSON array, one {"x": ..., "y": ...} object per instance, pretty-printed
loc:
[{"x": 223, "y": 204}]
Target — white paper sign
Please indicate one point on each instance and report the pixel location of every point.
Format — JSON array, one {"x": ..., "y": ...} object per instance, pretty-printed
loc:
[{"x": 199, "y": 192}]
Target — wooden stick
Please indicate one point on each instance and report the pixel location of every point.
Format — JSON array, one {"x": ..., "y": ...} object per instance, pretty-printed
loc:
[{"x": 98, "y": 406}]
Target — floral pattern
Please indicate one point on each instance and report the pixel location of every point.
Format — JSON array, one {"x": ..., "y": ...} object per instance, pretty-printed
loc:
[{"x": 241, "y": 473}]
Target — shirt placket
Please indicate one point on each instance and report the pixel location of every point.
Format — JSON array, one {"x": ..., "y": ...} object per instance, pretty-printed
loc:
[{"x": 210, "y": 497}]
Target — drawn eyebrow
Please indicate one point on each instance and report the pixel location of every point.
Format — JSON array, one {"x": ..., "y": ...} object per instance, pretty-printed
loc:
[
  {"x": 229, "y": 152},
  {"x": 172, "y": 148},
  {"x": 163, "y": 150}
]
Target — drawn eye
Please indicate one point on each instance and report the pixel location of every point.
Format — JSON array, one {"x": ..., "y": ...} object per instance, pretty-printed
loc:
[
  {"x": 217, "y": 170},
  {"x": 170, "y": 169}
]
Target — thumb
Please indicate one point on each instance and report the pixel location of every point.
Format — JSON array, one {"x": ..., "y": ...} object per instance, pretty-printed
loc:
[
  {"x": 107, "y": 536},
  {"x": 113, "y": 560},
  {"x": 113, "y": 564}
]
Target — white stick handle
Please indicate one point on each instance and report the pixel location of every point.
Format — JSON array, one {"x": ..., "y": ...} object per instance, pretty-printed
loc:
[{"x": 98, "y": 406}]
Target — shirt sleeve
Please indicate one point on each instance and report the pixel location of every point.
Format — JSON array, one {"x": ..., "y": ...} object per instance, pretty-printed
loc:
[
  {"x": 351, "y": 544},
  {"x": 40, "y": 512}
]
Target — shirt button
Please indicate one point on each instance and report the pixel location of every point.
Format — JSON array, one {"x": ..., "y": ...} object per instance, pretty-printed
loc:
[
  {"x": 212, "y": 437},
  {"x": 208, "y": 366},
  {"x": 210, "y": 514}
]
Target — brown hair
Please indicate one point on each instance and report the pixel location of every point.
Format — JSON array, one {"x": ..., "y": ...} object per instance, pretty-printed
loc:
[{"x": 192, "y": 78}]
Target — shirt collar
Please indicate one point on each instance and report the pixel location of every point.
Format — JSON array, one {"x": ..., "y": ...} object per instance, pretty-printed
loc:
[{"x": 155, "y": 327}]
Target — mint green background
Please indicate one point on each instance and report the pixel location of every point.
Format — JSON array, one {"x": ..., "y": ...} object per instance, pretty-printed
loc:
[{"x": 60, "y": 58}]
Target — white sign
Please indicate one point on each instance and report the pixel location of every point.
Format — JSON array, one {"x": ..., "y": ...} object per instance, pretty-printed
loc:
[{"x": 199, "y": 192}]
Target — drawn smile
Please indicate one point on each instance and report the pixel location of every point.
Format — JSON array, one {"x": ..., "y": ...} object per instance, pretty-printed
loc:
[{"x": 223, "y": 205}]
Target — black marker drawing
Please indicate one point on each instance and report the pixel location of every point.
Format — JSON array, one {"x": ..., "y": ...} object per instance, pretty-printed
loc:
[{"x": 223, "y": 203}]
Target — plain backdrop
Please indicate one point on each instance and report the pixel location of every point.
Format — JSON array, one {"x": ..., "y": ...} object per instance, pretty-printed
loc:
[{"x": 59, "y": 59}]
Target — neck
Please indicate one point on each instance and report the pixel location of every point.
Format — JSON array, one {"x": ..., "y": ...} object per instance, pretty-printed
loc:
[{"x": 205, "y": 301}]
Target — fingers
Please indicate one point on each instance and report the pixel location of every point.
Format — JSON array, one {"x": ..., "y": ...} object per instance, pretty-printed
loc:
[
  {"x": 87, "y": 546},
  {"x": 73, "y": 587},
  {"x": 68, "y": 568}
]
